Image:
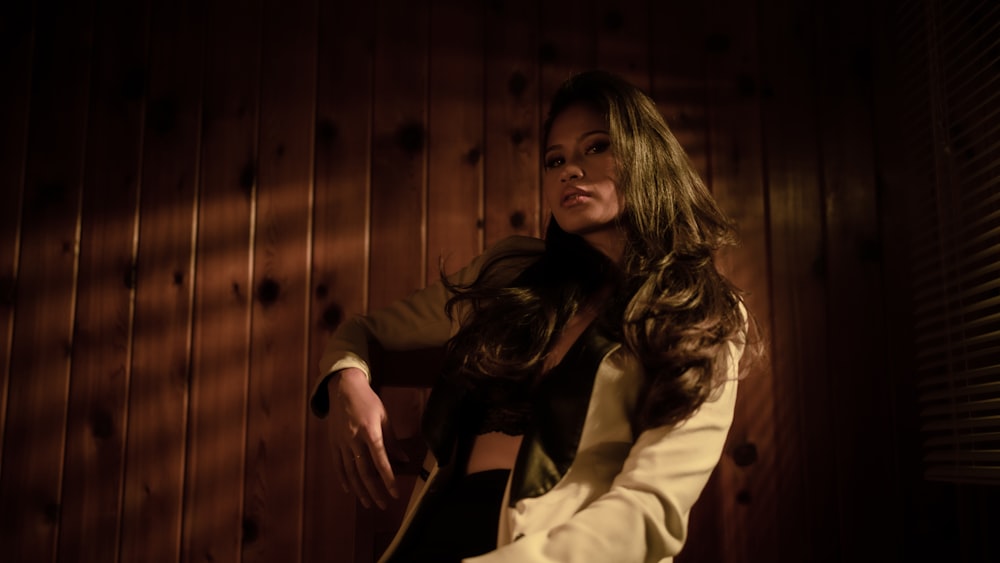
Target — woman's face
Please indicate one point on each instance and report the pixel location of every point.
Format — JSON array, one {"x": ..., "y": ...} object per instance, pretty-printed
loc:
[{"x": 579, "y": 182}]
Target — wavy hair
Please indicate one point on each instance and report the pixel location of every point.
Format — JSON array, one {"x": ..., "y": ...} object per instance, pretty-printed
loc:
[{"x": 670, "y": 307}]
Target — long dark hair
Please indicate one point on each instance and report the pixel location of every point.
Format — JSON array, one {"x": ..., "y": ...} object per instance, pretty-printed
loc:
[{"x": 671, "y": 307}]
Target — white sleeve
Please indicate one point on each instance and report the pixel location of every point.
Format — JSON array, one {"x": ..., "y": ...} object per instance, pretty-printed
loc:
[
  {"x": 419, "y": 321},
  {"x": 643, "y": 516}
]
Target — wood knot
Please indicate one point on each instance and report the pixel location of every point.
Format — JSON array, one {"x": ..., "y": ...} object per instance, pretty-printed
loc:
[
  {"x": 51, "y": 512},
  {"x": 248, "y": 175},
  {"x": 251, "y": 531},
  {"x": 102, "y": 425},
  {"x": 322, "y": 291},
  {"x": 326, "y": 132},
  {"x": 517, "y": 84},
  {"x": 745, "y": 454},
  {"x": 518, "y": 136},
  {"x": 472, "y": 157},
  {"x": 410, "y": 137},
  {"x": 268, "y": 291},
  {"x": 332, "y": 316}
]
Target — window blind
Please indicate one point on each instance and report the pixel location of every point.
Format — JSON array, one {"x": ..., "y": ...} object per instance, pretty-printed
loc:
[{"x": 952, "y": 112}]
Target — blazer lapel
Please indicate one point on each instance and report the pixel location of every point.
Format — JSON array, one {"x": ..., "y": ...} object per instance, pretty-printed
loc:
[{"x": 561, "y": 402}]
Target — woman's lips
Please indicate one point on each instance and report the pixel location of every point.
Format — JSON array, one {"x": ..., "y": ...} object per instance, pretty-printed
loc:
[{"x": 573, "y": 196}]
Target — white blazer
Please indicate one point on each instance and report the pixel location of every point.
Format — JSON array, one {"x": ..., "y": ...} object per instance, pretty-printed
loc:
[{"x": 623, "y": 498}]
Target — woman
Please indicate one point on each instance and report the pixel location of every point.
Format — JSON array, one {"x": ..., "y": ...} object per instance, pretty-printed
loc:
[{"x": 590, "y": 378}]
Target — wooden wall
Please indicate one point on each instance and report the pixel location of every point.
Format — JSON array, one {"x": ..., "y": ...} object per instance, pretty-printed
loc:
[{"x": 194, "y": 194}]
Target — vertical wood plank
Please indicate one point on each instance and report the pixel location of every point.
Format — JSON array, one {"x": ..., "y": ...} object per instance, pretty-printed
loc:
[
  {"x": 399, "y": 202},
  {"x": 747, "y": 483},
  {"x": 512, "y": 163},
  {"x": 399, "y": 169},
  {"x": 17, "y": 32},
  {"x": 98, "y": 399},
  {"x": 804, "y": 433},
  {"x": 214, "y": 472},
  {"x": 158, "y": 397},
  {"x": 281, "y": 267},
  {"x": 623, "y": 42},
  {"x": 567, "y": 42},
  {"x": 42, "y": 342},
  {"x": 904, "y": 138},
  {"x": 864, "y": 440},
  {"x": 678, "y": 79},
  {"x": 340, "y": 248},
  {"x": 455, "y": 181}
]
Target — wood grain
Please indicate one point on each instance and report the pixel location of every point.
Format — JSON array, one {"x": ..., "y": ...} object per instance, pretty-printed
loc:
[
  {"x": 161, "y": 358},
  {"x": 567, "y": 36},
  {"x": 904, "y": 167},
  {"x": 281, "y": 266},
  {"x": 799, "y": 284},
  {"x": 455, "y": 140},
  {"x": 213, "y": 506},
  {"x": 678, "y": 76},
  {"x": 863, "y": 440},
  {"x": 512, "y": 162},
  {"x": 748, "y": 484},
  {"x": 340, "y": 251},
  {"x": 98, "y": 399},
  {"x": 623, "y": 38},
  {"x": 18, "y": 30},
  {"x": 42, "y": 343}
]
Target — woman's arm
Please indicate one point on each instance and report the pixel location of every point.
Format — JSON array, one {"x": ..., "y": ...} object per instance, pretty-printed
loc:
[
  {"x": 643, "y": 516},
  {"x": 358, "y": 426},
  {"x": 414, "y": 323}
]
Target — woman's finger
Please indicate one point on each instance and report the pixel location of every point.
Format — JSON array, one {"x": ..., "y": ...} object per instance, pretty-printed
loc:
[
  {"x": 381, "y": 458},
  {"x": 350, "y": 461},
  {"x": 369, "y": 477}
]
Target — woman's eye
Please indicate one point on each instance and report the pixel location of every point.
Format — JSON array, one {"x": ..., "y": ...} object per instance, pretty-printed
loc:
[
  {"x": 598, "y": 147},
  {"x": 553, "y": 162}
]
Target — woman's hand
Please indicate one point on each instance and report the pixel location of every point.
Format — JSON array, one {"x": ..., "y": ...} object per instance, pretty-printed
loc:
[{"x": 361, "y": 438}]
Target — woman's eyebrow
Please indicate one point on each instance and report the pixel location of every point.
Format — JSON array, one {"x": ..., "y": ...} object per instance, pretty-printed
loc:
[{"x": 584, "y": 135}]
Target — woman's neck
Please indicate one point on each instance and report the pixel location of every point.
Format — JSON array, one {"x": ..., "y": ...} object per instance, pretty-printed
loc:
[{"x": 610, "y": 243}]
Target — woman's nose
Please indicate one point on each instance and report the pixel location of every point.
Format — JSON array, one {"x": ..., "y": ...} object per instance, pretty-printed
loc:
[{"x": 571, "y": 171}]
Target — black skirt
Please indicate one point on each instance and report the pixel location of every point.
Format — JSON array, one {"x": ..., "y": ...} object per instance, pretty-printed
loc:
[{"x": 456, "y": 522}]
